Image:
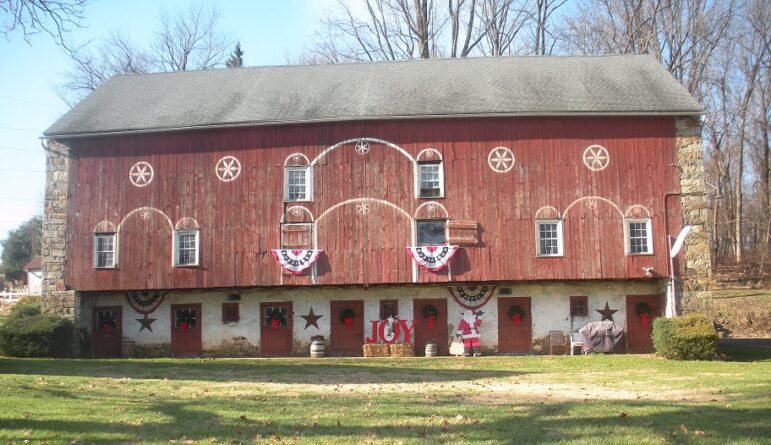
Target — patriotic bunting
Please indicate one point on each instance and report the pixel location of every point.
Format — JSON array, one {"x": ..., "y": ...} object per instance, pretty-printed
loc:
[
  {"x": 471, "y": 297},
  {"x": 432, "y": 258},
  {"x": 296, "y": 261}
]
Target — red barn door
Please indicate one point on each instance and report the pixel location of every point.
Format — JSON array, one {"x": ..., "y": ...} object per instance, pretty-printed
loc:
[
  {"x": 347, "y": 339},
  {"x": 276, "y": 329},
  {"x": 186, "y": 330},
  {"x": 108, "y": 331},
  {"x": 639, "y": 327},
  {"x": 514, "y": 336},
  {"x": 425, "y": 331}
]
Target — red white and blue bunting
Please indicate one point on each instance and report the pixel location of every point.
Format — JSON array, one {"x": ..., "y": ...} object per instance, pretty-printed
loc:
[
  {"x": 433, "y": 258},
  {"x": 472, "y": 297},
  {"x": 295, "y": 261}
]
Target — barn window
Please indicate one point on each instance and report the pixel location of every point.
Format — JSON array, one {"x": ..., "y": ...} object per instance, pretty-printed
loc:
[
  {"x": 431, "y": 177},
  {"x": 579, "y": 306},
  {"x": 638, "y": 234},
  {"x": 297, "y": 184},
  {"x": 230, "y": 313},
  {"x": 186, "y": 248},
  {"x": 389, "y": 308},
  {"x": 430, "y": 232},
  {"x": 549, "y": 236},
  {"x": 104, "y": 250}
]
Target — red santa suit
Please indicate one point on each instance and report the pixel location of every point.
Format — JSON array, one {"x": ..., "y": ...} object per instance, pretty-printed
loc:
[{"x": 468, "y": 329}]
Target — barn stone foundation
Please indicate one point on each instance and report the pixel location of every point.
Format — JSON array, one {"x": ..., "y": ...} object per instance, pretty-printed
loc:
[
  {"x": 550, "y": 310},
  {"x": 56, "y": 298},
  {"x": 693, "y": 202}
]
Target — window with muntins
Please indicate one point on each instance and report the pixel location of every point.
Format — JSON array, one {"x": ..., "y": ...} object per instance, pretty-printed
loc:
[
  {"x": 297, "y": 184},
  {"x": 230, "y": 313},
  {"x": 549, "y": 236},
  {"x": 431, "y": 180},
  {"x": 104, "y": 250},
  {"x": 639, "y": 236},
  {"x": 430, "y": 232},
  {"x": 579, "y": 306},
  {"x": 186, "y": 248}
]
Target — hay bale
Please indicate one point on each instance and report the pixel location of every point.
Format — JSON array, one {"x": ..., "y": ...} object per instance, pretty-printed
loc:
[
  {"x": 376, "y": 350},
  {"x": 403, "y": 350}
]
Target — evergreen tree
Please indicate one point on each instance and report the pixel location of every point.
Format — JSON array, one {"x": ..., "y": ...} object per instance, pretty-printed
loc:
[
  {"x": 236, "y": 59},
  {"x": 21, "y": 245}
]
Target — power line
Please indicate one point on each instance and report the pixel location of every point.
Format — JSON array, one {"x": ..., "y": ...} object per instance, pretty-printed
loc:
[
  {"x": 29, "y": 150},
  {"x": 20, "y": 170},
  {"x": 34, "y": 102},
  {"x": 20, "y": 129}
]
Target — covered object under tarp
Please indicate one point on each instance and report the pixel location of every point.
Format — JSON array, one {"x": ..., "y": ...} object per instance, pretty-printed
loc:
[{"x": 602, "y": 336}]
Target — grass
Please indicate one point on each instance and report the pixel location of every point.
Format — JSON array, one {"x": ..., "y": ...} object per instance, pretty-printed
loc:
[{"x": 594, "y": 399}]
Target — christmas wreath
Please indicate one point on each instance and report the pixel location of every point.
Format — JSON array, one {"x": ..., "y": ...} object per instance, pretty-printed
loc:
[
  {"x": 430, "y": 312},
  {"x": 516, "y": 314},
  {"x": 276, "y": 318},
  {"x": 107, "y": 323},
  {"x": 642, "y": 308},
  {"x": 347, "y": 316}
]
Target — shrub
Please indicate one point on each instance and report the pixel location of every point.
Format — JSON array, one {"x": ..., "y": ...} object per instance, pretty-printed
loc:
[
  {"x": 691, "y": 337},
  {"x": 27, "y": 333},
  {"x": 25, "y": 307}
]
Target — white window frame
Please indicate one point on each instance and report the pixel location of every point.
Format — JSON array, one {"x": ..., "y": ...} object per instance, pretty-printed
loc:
[
  {"x": 308, "y": 183},
  {"x": 114, "y": 250},
  {"x": 419, "y": 179},
  {"x": 627, "y": 235},
  {"x": 560, "y": 248},
  {"x": 177, "y": 234}
]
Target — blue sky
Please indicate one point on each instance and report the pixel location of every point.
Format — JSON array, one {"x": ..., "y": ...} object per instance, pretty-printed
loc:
[{"x": 269, "y": 31}]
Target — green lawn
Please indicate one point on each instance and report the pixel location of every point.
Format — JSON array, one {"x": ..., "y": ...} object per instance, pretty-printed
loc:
[{"x": 595, "y": 399}]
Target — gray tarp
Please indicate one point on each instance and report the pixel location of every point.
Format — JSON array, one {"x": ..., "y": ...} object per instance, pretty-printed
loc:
[{"x": 602, "y": 336}]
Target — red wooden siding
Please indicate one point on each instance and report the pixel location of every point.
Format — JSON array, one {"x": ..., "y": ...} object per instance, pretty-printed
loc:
[{"x": 240, "y": 220}]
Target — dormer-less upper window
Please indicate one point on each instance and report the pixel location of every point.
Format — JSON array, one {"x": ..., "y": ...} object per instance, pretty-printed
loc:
[
  {"x": 431, "y": 180},
  {"x": 297, "y": 184}
]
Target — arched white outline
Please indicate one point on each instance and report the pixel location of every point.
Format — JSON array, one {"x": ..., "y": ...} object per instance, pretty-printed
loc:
[
  {"x": 289, "y": 209},
  {"x": 607, "y": 153},
  {"x": 446, "y": 213},
  {"x": 349, "y": 141},
  {"x": 217, "y": 172},
  {"x": 565, "y": 212},
  {"x": 152, "y": 174},
  {"x": 366, "y": 200},
  {"x": 307, "y": 161},
  {"x": 513, "y": 159},
  {"x": 426, "y": 150},
  {"x": 177, "y": 227},
  {"x": 102, "y": 231},
  {"x": 548, "y": 207},
  {"x": 629, "y": 209},
  {"x": 139, "y": 209}
]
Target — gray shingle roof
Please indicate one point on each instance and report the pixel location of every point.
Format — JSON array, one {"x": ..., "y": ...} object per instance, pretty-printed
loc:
[{"x": 523, "y": 86}]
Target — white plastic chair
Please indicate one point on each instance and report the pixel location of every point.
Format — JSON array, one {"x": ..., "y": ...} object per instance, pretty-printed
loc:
[{"x": 575, "y": 340}]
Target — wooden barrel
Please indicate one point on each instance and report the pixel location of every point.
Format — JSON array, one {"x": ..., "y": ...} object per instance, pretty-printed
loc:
[
  {"x": 431, "y": 349},
  {"x": 318, "y": 348},
  {"x": 127, "y": 348}
]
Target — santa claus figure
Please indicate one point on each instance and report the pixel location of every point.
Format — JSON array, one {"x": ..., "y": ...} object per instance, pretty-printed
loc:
[{"x": 468, "y": 330}]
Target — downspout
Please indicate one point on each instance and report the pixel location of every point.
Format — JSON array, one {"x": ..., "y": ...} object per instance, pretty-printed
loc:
[{"x": 666, "y": 224}]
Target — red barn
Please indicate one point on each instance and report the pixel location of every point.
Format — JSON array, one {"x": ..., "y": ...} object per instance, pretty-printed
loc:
[{"x": 225, "y": 211}]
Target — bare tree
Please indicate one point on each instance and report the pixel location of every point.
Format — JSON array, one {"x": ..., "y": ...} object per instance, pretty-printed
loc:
[
  {"x": 502, "y": 21},
  {"x": 457, "y": 11},
  {"x": 190, "y": 39},
  {"x": 542, "y": 18},
  {"x": 186, "y": 39},
  {"x": 53, "y": 17}
]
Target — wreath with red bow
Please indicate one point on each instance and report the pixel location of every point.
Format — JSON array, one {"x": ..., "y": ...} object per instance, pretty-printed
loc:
[
  {"x": 516, "y": 314},
  {"x": 643, "y": 310},
  {"x": 276, "y": 318},
  {"x": 430, "y": 312},
  {"x": 346, "y": 317}
]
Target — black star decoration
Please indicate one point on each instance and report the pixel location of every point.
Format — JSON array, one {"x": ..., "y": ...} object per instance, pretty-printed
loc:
[
  {"x": 607, "y": 313},
  {"x": 147, "y": 323},
  {"x": 311, "y": 319}
]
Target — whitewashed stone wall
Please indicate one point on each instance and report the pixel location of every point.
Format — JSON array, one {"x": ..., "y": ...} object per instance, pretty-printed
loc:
[{"x": 549, "y": 304}]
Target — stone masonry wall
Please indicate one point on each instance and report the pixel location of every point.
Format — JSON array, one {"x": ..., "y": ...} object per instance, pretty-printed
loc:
[
  {"x": 56, "y": 299},
  {"x": 693, "y": 200}
]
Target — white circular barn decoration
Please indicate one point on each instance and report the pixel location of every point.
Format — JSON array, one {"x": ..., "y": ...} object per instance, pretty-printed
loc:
[
  {"x": 362, "y": 147},
  {"x": 228, "y": 168},
  {"x": 141, "y": 174},
  {"x": 596, "y": 158},
  {"x": 501, "y": 159}
]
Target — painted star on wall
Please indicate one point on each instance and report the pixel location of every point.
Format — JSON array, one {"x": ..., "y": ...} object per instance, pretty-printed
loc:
[
  {"x": 147, "y": 323},
  {"x": 311, "y": 319},
  {"x": 607, "y": 313}
]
